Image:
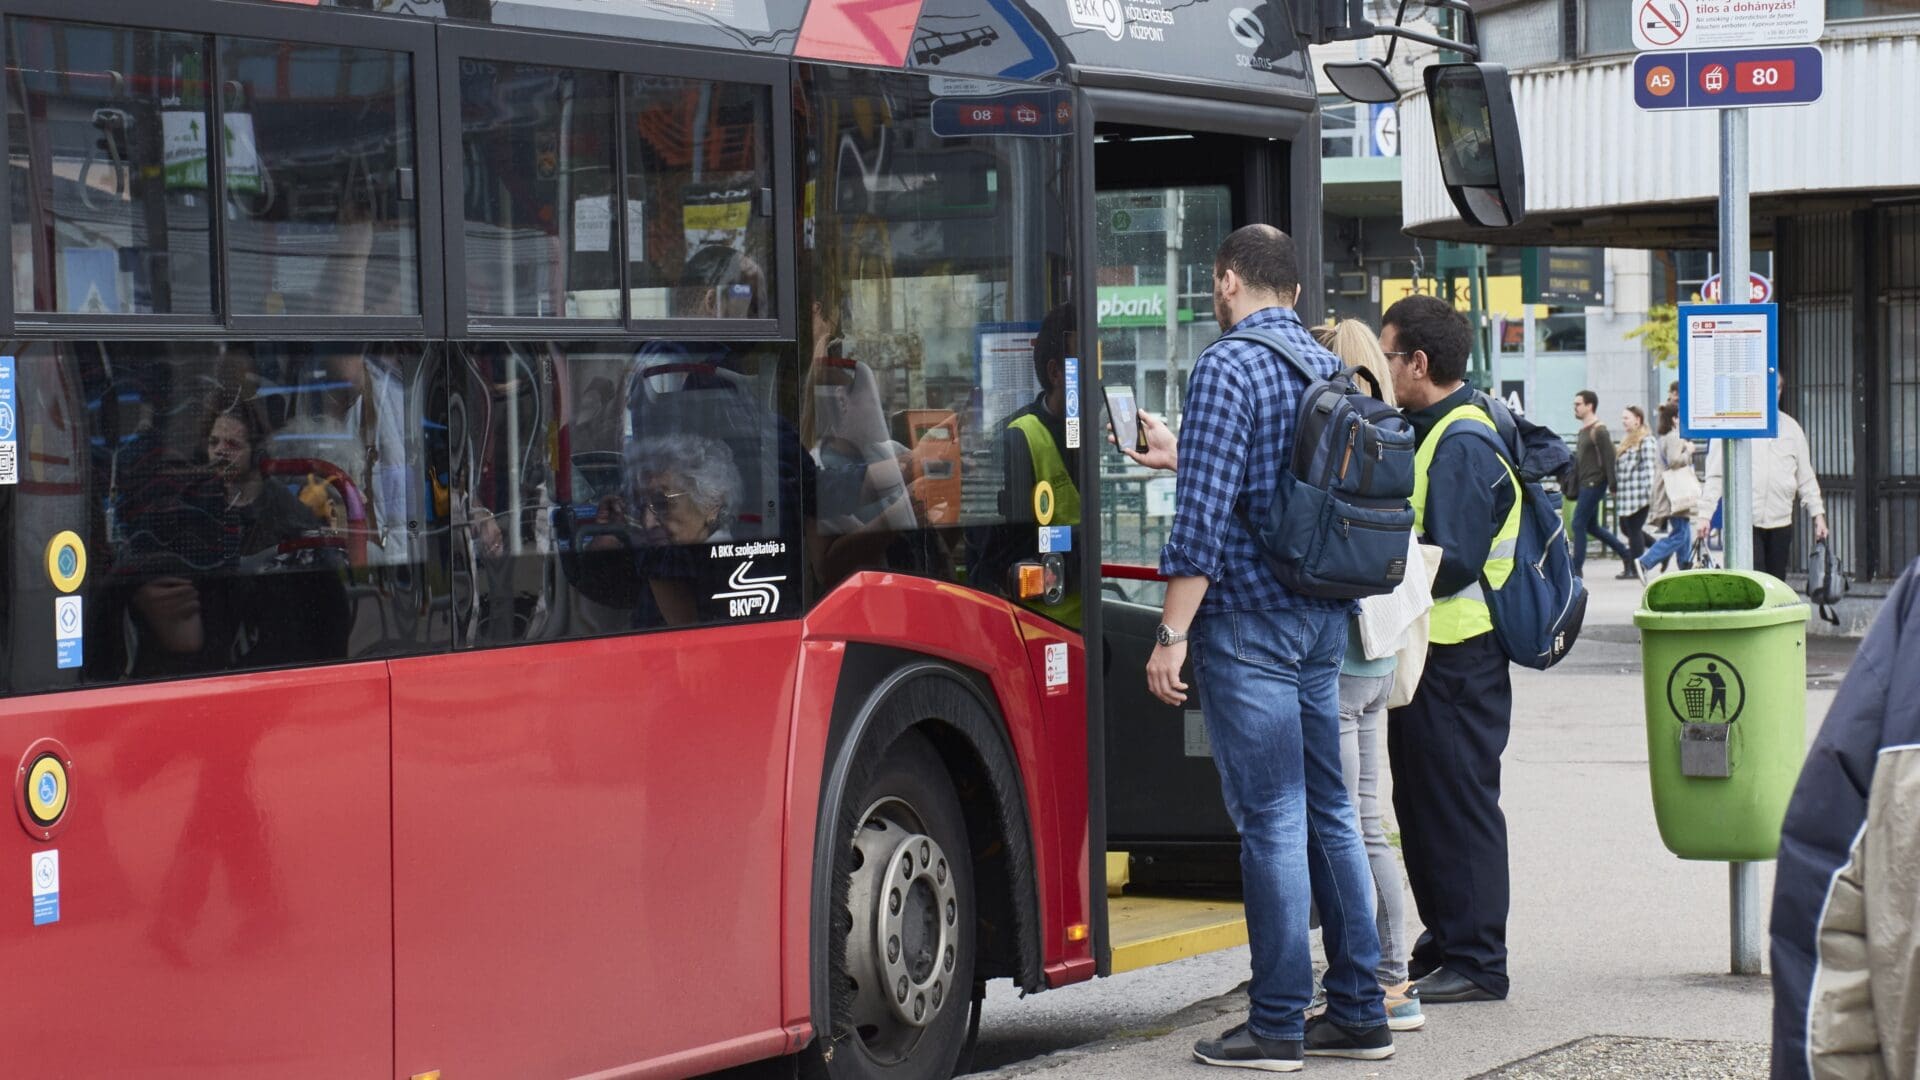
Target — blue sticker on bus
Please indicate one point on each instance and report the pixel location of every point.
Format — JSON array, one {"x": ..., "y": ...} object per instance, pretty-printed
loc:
[
  {"x": 1055, "y": 538},
  {"x": 9, "y": 424}
]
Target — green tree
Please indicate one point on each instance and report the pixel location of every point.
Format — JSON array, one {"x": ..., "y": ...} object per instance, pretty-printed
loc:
[{"x": 1660, "y": 334}]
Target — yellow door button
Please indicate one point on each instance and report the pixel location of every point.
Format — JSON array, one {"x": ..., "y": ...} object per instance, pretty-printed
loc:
[{"x": 47, "y": 789}]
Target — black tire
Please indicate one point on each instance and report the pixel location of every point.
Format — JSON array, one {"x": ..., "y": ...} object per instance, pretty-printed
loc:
[{"x": 902, "y": 867}]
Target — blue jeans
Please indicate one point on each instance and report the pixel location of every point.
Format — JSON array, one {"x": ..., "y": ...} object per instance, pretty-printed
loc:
[
  {"x": 1586, "y": 522},
  {"x": 1269, "y": 689},
  {"x": 1678, "y": 542}
]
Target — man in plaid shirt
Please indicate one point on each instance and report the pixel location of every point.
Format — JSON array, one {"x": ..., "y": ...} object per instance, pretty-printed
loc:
[{"x": 1268, "y": 664}]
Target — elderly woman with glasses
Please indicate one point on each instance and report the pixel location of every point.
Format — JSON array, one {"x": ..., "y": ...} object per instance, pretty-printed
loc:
[{"x": 684, "y": 489}]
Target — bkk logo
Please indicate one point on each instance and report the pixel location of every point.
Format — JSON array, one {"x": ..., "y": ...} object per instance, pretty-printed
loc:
[{"x": 1106, "y": 16}]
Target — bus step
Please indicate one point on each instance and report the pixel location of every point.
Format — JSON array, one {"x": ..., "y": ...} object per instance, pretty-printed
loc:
[{"x": 1150, "y": 930}]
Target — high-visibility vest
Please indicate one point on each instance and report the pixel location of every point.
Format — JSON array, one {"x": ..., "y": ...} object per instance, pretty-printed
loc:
[
  {"x": 1465, "y": 615},
  {"x": 1050, "y": 468}
]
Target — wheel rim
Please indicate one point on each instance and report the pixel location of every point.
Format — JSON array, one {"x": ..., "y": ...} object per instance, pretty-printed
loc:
[{"x": 905, "y": 939}]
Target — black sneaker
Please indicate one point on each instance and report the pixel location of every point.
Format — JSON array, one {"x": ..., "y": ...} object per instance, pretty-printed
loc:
[
  {"x": 1328, "y": 1039},
  {"x": 1239, "y": 1048}
]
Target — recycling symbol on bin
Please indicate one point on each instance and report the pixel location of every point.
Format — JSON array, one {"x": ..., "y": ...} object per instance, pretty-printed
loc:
[{"x": 1705, "y": 689}]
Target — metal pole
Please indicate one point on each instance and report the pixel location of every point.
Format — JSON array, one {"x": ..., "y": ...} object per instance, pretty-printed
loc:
[
  {"x": 1746, "y": 925},
  {"x": 1736, "y": 519}
]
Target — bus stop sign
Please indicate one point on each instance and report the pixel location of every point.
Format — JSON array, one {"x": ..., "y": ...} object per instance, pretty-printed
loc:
[{"x": 1728, "y": 78}]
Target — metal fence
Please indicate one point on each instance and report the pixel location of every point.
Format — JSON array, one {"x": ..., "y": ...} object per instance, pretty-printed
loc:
[{"x": 1850, "y": 352}]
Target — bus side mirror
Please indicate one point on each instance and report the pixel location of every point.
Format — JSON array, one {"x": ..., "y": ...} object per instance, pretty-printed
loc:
[
  {"x": 1478, "y": 137},
  {"x": 1365, "y": 81}
]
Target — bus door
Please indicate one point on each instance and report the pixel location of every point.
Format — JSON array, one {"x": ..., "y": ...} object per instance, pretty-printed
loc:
[{"x": 1165, "y": 199}]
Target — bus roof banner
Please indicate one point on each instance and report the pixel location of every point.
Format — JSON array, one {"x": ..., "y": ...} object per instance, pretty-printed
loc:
[{"x": 1242, "y": 45}]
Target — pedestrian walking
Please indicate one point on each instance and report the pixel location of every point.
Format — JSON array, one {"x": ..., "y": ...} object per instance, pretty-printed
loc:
[
  {"x": 1445, "y": 746},
  {"x": 1365, "y": 685},
  {"x": 1594, "y": 465},
  {"x": 1634, "y": 467},
  {"x": 1782, "y": 472},
  {"x": 1676, "y": 491},
  {"x": 1846, "y": 930},
  {"x": 1267, "y": 661}
]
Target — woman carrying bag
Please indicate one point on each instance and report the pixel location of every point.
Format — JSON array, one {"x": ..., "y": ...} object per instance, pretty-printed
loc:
[
  {"x": 1368, "y": 675},
  {"x": 1676, "y": 491}
]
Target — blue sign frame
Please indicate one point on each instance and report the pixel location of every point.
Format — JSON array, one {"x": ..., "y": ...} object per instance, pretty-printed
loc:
[
  {"x": 1689, "y": 69},
  {"x": 1771, "y": 312}
]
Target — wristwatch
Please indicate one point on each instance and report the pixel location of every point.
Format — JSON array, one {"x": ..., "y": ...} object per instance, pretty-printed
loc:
[{"x": 1167, "y": 635}]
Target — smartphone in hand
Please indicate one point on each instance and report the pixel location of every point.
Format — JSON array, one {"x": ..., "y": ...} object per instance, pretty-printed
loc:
[{"x": 1124, "y": 415}]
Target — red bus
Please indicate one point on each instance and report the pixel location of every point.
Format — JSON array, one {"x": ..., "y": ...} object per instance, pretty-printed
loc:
[{"x": 526, "y": 559}]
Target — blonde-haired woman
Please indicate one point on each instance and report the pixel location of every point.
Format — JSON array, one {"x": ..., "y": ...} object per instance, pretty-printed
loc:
[
  {"x": 1355, "y": 343},
  {"x": 1364, "y": 687}
]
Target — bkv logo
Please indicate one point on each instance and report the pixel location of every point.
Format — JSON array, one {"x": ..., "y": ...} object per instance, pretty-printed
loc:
[{"x": 748, "y": 595}]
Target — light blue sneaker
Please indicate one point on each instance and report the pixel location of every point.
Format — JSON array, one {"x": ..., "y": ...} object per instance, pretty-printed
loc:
[{"x": 1403, "y": 1008}]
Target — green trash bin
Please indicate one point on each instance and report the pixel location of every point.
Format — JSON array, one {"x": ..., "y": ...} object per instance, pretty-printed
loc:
[{"x": 1724, "y": 662}]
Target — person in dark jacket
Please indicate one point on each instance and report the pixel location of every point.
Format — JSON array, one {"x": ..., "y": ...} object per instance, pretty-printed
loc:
[
  {"x": 1846, "y": 899},
  {"x": 1445, "y": 745},
  {"x": 1596, "y": 476}
]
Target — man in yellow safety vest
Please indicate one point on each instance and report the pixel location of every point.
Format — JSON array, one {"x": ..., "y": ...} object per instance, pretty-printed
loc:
[
  {"x": 1040, "y": 489},
  {"x": 1445, "y": 745}
]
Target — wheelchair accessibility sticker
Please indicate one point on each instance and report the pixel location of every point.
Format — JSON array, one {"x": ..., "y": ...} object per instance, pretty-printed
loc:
[{"x": 1705, "y": 689}]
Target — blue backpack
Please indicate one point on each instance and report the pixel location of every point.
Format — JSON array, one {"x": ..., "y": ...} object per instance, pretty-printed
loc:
[
  {"x": 1537, "y": 614},
  {"x": 1341, "y": 520}
]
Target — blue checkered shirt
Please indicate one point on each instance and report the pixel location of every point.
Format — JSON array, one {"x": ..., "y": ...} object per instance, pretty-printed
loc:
[{"x": 1236, "y": 435}]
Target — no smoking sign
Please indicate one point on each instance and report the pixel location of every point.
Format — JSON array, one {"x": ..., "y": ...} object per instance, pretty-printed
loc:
[
  {"x": 1662, "y": 23},
  {"x": 1725, "y": 24}
]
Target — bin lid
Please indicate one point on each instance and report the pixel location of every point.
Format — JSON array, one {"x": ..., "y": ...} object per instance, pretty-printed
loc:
[{"x": 1719, "y": 600}]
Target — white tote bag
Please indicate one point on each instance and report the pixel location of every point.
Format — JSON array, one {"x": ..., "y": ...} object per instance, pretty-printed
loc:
[{"x": 1412, "y": 654}]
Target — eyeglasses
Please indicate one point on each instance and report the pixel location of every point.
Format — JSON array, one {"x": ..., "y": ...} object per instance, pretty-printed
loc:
[
  {"x": 1403, "y": 353},
  {"x": 656, "y": 503}
]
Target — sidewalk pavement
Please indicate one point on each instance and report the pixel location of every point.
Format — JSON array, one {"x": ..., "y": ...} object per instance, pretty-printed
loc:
[{"x": 1619, "y": 951}]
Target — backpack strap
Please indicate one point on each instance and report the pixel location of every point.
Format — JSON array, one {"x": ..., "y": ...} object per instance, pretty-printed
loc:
[
  {"x": 1262, "y": 335},
  {"x": 1487, "y": 435}
]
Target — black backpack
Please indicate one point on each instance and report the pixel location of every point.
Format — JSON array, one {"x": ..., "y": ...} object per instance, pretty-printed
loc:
[
  {"x": 1340, "y": 525},
  {"x": 1827, "y": 580}
]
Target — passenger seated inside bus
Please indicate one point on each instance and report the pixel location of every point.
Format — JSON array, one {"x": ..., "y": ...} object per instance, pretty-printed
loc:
[
  {"x": 222, "y": 566},
  {"x": 698, "y": 463}
]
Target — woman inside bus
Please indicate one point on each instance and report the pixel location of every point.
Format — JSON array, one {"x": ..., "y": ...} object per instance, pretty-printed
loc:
[
  {"x": 682, "y": 495},
  {"x": 224, "y": 582}
]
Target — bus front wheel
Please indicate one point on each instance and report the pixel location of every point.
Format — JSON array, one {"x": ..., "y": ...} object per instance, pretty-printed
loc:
[{"x": 902, "y": 931}]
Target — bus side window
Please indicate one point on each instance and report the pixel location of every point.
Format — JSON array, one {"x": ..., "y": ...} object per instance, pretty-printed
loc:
[
  {"x": 699, "y": 171},
  {"x": 938, "y": 265},
  {"x": 601, "y": 489},
  {"x": 321, "y": 182},
  {"x": 107, "y": 140},
  {"x": 538, "y": 145},
  {"x": 217, "y": 537}
]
